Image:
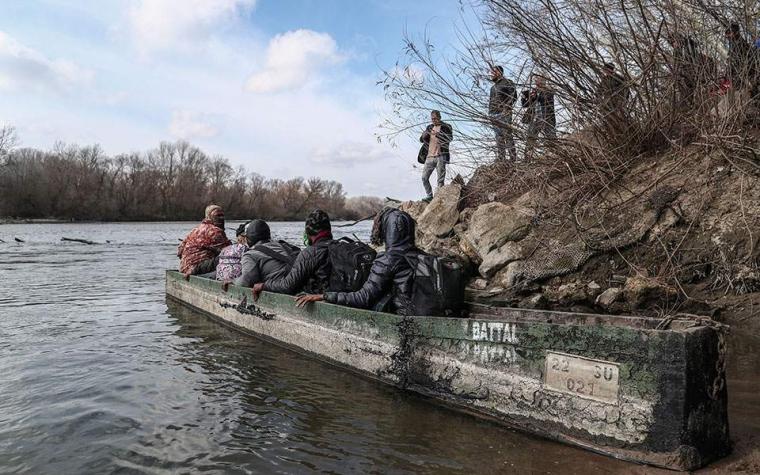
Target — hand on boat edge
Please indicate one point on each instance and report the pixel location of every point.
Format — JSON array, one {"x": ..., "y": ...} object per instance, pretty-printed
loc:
[
  {"x": 302, "y": 300},
  {"x": 256, "y": 290}
]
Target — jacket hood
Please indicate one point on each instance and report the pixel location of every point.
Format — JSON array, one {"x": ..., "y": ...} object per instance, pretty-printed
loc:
[
  {"x": 396, "y": 229},
  {"x": 256, "y": 231}
]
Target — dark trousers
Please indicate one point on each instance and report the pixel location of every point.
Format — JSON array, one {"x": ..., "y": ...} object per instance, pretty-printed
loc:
[{"x": 207, "y": 266}]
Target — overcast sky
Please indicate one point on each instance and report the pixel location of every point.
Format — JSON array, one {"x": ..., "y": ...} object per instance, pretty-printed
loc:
[{"x": 284, "y": 87}]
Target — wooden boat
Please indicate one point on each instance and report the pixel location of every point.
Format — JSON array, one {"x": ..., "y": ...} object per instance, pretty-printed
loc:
[{"x": 645, "y": 390}]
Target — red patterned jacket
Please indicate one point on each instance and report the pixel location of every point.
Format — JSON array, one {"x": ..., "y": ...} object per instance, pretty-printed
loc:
[{"x": 204, "y": 242}]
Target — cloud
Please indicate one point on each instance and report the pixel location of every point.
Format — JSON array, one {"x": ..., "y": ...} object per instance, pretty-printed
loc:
[
  {"x": 22, "y": 67},
  {"x": 163, "y": 24},
  {"x": 348, "y": 154},
  {"x": 189, "y": 125},
  {"x": 291, "y": 58}
]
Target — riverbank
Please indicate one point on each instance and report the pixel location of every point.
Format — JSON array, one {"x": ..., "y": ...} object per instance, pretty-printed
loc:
[{"x": 665, "y": 239}]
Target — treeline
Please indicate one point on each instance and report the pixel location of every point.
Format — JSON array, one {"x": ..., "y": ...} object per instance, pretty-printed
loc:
[{"x": 173, "y": 182}]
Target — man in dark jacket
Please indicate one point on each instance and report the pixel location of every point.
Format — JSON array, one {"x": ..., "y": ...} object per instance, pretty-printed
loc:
[
  {"x": 265, "y": 259},
  {"x": 500, "y": 103},
  {"x": 311, "y": 270},
  {"x": 435, "y": 147},
  {"x": 612, "y": 94},
  {"x": 391, "y": 273},
  {"x": 539, "y": 114},
  {"x": 742, "y": 67}
]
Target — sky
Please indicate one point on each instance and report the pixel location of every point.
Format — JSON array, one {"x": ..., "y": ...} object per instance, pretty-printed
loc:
[{"x": 284, "y": 88}]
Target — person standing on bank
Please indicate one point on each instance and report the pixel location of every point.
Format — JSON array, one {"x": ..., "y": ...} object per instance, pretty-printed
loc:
[
  {"x": 539, "y": 114},
  {"x": 741, "y": 67},
  {"x": 612, "y": 95},
  {"x": 434, "y": 152},
  {"x": 500, "y": 103}
]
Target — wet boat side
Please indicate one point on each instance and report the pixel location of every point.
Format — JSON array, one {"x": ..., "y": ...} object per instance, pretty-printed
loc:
[{"x": 620, "y": 387}]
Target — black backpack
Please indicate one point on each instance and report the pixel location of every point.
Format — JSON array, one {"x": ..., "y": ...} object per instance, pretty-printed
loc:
[
  {"x": 287, "y": 254},
  {"x": 350, "y": 263},
  {"x": 438, "y": 287}
]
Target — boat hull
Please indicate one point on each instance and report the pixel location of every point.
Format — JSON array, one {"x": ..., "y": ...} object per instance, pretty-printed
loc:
[{"x": 613, "y": 385}]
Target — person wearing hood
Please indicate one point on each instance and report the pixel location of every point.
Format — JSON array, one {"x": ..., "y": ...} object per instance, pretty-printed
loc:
[
  {"x": 391, "y": 274},
  {"x": 259, "y": 262},
  {"x": 199, "y": 251},
  {"x": 311, "y": 270}
]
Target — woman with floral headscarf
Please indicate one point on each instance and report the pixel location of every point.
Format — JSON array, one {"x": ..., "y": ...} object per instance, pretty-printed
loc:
[{"x": 199, "y": 251}]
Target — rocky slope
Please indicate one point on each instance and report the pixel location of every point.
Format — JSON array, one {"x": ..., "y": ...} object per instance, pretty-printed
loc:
[{"x": 677, "y": 234}]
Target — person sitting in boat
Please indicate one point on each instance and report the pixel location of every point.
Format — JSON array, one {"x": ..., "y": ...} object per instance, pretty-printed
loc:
[
  {"x": 390, "y": 276},
  {"x": 199, "y": 251},
  {"x": 265, "y": 259},
  {"x": 311, "y": 270},
  {"x": 229, "y": 266}
]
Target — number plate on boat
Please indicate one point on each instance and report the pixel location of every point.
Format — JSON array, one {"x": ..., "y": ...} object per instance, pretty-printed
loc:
[{"x": 582, "y": 377}]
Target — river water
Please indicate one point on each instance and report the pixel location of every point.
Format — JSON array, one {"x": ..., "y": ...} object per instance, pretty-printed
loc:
[{"x": 100, "y": 373}]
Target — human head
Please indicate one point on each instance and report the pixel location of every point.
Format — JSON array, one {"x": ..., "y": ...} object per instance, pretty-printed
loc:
[
  {"x": 317, "y": 226},
  {"x": 240, "y": 233},
  {"x": 608, "y": 69},
  {"x": 215, "y": 214},
  {"x": 733, "y": 31},
  {"x": 435, "y": 117},
  {"x": 393, "y": 228},
  {"x": 257, "y": 231},
  {"x": 497, "y": 72}
]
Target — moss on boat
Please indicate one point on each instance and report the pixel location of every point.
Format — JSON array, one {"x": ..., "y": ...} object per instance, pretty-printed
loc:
[{"x": 639, "y": 389}]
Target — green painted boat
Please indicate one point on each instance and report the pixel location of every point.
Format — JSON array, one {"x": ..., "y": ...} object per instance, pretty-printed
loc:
[{"x": 645, "y": 390}]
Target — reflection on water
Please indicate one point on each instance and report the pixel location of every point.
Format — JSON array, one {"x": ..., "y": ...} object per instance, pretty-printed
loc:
[{"x": 100, "y": 373}]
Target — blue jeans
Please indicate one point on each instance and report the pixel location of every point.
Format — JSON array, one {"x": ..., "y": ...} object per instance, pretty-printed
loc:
[{"x": 433, "y": 163}]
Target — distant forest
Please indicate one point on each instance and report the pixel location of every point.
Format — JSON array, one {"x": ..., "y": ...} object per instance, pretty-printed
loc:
[{"x": 173, "y": 182}]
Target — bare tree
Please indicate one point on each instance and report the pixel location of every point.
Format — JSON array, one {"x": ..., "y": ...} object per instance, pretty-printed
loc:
[{"x": 677, "y": 92}]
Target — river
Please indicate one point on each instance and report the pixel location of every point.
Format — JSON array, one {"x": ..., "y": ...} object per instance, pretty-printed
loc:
[{"x": 100, "y": 373}]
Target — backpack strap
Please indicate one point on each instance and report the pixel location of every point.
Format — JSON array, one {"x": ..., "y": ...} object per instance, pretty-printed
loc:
[{"x": 285, "y": 258}]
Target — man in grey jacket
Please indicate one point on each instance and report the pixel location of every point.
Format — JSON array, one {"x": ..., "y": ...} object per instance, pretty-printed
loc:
[
  {"x": 500, "y": 103},
  {"x": 266, "y": 259}
]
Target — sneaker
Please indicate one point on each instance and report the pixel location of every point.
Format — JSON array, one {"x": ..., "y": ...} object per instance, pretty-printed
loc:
[{"x": 427, "y": 199}]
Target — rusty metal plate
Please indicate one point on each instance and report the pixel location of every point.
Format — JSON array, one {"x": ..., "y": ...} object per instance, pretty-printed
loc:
[{"x": 582, "y": 377}]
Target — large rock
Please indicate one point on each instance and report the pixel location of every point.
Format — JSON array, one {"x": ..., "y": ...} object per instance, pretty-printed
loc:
[
  {"x": 608, "y": 297},
  {"x": 492, "y": 227},
  {"x": 442, "y": 213},
  {"x": 640, "y": 291},
  {"x": 498, "y": 258},
  {"x": 414, "y": 208}
]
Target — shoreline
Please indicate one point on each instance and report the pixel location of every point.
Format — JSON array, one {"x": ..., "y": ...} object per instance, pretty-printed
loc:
[{"x": 64, "y": 221}]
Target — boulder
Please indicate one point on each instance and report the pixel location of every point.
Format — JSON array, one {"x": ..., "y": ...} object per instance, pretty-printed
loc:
[
  {"x": 414, "y": 208},
  {"x": 509, "y": 275},
  {"x": 608, "y": 297},
  {"x": 593, "y": 289},
  {"x": 495, "y": 260},
  {"x": 479, "y": 284},
  {"x": 535, "y": 301},
  {"x": 640, "y": 291},
  {"x": 493, "y": 226},
  {"x": 442, "y": 213},
  {"x": 567, "y": 294}
]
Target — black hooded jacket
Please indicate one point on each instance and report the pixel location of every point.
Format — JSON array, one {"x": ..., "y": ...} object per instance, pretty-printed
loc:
[
  {"x": 310, "y": 272},
  {"x": 390, "y": 272}
]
